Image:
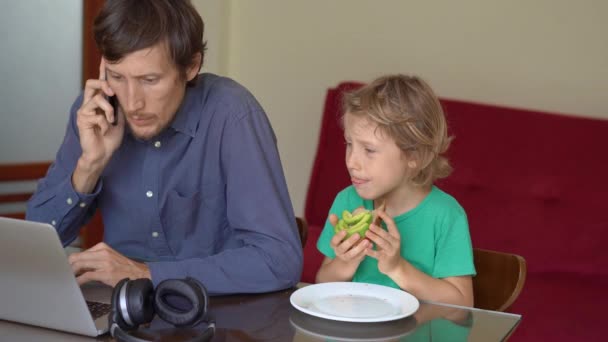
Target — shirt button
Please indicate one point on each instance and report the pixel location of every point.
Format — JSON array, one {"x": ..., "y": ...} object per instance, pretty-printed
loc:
[
  {"x": 53, "y": 222},
  {"x": 154, "y": 234},
  {"x": 69, "y": 200},
  {"x": 157, "y": 144},
  {"x": 82, "y": 204},
  {"x": 149, "y": 194}
]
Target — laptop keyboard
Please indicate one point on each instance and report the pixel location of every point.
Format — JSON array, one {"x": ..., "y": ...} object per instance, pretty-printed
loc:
[{"x": 98, "y": 309}]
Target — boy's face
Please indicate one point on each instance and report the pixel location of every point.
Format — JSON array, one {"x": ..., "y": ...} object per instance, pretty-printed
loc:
[
  {"x": 149, "y": 88},
  {"x": 377, "y": 166}
]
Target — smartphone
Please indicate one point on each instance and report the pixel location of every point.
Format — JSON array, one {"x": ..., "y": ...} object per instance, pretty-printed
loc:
[{"x": 114, "y": 103}]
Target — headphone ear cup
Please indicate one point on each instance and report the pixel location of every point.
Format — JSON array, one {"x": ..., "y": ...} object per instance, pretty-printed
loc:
[
  {"x": 140, "y": 294},
  {"x": 199, "y": 287},
  {"x": 116, "y": 312},
  {"x": 193, "y": 292}
]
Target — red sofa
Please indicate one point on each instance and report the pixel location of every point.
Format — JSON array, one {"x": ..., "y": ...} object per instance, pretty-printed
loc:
[{"x": 532, "y": 184}]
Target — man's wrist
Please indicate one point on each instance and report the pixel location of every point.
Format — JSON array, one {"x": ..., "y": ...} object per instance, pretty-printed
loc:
[
  {"x": 145, "y": 272},
  {"x": 91, "y": 165},
  {"x": 86, "y": 175}
]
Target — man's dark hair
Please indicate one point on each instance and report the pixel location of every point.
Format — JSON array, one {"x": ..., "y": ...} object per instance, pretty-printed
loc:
[{"x": 125, "y": 26}]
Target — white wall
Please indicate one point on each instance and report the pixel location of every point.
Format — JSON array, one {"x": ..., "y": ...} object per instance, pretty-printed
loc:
[
  {"x": 542, "y": 54},
  {"x": 40, "y": 71},
  {"x": 215, "y": 14}
]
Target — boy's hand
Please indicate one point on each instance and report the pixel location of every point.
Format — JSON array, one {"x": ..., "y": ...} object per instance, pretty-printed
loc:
[
  {"x": 388, "y": 244},
  {"x": 348, "y": 250}
]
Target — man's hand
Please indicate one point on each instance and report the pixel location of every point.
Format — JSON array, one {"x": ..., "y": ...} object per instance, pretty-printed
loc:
[
  {"x": 98, "y": 137},
  {"x": 102, "y": 263}
]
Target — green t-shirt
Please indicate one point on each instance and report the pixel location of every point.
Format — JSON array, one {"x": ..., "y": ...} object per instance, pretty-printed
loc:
[{"x": 434, "y": 237}]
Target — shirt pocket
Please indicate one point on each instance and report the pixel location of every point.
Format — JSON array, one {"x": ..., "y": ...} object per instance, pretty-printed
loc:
[
  {"x": 180, "y": 210},
  {"x": 192, "y": 221}
]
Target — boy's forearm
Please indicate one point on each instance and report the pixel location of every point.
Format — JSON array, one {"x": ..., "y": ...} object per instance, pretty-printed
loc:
[
  {"x": 425, "y": 287},
  {"x": 336, "y": 270}
]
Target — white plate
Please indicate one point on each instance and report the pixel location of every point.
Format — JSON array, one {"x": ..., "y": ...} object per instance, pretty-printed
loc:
[{"x": 354, "y": 302}]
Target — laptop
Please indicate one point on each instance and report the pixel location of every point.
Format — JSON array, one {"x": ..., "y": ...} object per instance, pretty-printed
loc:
[{"x": 37, "y": 286}]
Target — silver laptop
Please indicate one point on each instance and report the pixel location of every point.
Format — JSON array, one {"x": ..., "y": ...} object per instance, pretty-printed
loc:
[{"x": 37, "y": 285}]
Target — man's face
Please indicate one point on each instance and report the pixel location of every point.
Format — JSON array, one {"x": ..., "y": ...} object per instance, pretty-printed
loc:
[{"x": 149, "y": 88}]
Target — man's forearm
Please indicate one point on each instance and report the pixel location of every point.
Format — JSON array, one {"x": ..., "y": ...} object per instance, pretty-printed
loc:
[
  {"x": 56, "y": 203},
  {"x": 241, "y": 270},
  {"x": 86, "y": 175}
]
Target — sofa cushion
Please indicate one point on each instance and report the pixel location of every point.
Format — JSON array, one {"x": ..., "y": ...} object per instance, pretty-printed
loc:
[{"x": 532, "y": 184}]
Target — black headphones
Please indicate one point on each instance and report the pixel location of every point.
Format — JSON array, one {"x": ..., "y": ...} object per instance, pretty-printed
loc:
[{"x": 135, "y": 302}]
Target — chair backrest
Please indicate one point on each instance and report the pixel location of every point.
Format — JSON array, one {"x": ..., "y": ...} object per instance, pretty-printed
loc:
[
  {"x": 11, "y": 174},
  {"x": 499, "y": 280},
  {"x": 329, "y": 174},
  {"x": 302, "y": 229}
]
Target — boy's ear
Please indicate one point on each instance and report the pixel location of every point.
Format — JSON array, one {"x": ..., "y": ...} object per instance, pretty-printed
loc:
[{"x": 412, "y": 158}]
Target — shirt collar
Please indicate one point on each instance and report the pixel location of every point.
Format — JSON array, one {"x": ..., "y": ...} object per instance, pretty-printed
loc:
[{"x": 187, "y": 117}]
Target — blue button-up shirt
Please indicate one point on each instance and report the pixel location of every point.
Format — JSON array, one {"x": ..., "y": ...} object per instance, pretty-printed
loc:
[{"x": 206, "y": 198}]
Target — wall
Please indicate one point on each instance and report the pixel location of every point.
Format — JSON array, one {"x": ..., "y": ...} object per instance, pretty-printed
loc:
[
  {"x": 40, "y": 70},
  {"x": 548, "y": 55},
  {"x": 215, "y": 14},
  {"x": 544, "y": 54}
]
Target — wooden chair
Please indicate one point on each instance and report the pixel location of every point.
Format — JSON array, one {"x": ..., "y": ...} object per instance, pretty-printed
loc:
[
  {"x": 499, "y": 280},
  {"x": 26, "y": 172},
  {"x": 302, "y": 229}
]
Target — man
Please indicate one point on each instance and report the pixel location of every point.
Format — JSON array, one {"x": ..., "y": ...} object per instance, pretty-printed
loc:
[{"x": 185, "y": 170}]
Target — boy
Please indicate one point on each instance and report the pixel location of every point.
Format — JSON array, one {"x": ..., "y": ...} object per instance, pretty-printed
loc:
[{"x": 396, "y": 134}]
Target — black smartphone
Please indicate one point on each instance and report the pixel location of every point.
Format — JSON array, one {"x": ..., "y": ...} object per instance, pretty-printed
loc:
[{"x": 114, "y": 103}]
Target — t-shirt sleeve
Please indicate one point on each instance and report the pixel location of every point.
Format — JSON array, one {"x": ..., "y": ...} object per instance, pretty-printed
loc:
[
  {"x": 454, "y": 252},
  {"x": 341, "y": 202}
]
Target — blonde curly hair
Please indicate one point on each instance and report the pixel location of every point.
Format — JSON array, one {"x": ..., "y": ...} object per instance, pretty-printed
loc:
[{"x": 406, "y": 109}]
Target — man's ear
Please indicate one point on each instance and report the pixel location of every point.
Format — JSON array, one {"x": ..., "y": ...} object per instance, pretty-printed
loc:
[{"x": 195, "y": 66}]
